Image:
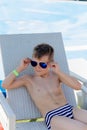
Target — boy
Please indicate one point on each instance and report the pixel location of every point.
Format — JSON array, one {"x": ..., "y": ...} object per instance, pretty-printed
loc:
[{"x": 45, "y": 90}]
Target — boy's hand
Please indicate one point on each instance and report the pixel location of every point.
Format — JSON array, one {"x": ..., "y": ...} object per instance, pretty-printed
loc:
[
  {"x": 55, "y": 67},
  {"x": 24, "y": 64}
]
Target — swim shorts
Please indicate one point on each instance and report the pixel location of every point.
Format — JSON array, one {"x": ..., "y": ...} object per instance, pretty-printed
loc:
[{"x": 66, "y": 111}]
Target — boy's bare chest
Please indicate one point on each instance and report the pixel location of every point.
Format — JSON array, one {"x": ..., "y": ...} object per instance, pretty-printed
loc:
[{"x": 45, "y": 87}]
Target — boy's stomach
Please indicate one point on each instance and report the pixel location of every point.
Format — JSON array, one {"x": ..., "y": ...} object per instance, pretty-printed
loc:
[{"x": 49, "y": 103}]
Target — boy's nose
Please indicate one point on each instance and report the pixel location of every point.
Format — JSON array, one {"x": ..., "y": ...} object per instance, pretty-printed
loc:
[{"x": 38, "y": 67}]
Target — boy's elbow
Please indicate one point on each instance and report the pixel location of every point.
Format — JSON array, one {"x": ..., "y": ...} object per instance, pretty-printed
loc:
[
  {"x": 78, "y": 86},
  {"x": 4, "y": 85}
]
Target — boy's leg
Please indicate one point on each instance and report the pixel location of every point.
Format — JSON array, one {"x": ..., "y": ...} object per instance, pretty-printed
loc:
[
  {"x": 80, "y": 115},
  {"x": 65, "y": 123}
]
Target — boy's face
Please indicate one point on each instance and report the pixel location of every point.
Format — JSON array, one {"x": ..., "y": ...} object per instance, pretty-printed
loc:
[{"x": 41, "y": 66}]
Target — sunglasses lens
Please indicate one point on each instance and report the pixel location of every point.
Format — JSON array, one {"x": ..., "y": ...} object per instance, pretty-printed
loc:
[
  {"x": 33, "y": 63},
  {"x": 43, "y": 65}
]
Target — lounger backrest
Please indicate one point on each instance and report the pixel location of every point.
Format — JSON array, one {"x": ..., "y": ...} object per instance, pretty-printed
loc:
[{"x": 17, "y": 46}]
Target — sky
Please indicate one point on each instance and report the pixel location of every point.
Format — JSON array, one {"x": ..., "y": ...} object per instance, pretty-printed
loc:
[{"x": 38, "y": 16}]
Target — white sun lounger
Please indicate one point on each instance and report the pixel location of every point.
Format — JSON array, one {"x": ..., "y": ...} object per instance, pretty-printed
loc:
[{"x": 18, "y": 104}]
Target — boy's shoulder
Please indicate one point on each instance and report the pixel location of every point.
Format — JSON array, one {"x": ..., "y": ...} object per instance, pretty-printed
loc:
[
  {"x": 27, "y": 76},
  {"x": 53, "y": 73},
  {"x": 27, "y": 79}
]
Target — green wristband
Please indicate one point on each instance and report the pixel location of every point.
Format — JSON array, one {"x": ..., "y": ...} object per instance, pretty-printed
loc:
[{"x": 15, "y": 73}]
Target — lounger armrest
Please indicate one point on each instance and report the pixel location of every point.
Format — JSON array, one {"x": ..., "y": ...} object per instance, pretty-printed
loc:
[
  {"x": 7, "y": 117},
  {"x": 78, "y": 77}
]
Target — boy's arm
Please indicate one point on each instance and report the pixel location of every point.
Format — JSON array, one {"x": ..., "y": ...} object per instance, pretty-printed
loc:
[
  {"x": 69, "y": 81},
  {"x": 65, "y": 78},
  {"x": 11, "y": 81},
  {"x": 72, "y": 82}
]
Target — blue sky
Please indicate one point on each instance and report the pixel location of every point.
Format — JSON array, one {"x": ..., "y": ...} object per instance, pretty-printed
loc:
[{"x": 37, "y": 16}]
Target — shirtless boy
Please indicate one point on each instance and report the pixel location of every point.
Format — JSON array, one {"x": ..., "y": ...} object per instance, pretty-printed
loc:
[{"x": 45, "y": 90}]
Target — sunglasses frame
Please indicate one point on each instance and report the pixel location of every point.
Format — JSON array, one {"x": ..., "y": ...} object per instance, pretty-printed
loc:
[{"x": 43, "y": 65}]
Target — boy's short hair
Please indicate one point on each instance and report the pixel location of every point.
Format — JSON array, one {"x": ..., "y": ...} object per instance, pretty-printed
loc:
[{"x": 43, "y": 50}]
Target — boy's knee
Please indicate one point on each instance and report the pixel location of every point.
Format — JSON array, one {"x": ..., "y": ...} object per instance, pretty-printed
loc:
[
  {"x": 85, "y": 127},
  {"x": 55, "y": 123}
]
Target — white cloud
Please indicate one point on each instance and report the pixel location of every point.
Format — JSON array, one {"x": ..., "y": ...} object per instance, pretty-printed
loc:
[
  {"x": 27, "y": 27},
  {"x": 57, "y": 0},
  {"x": 81, "y": 2},
  {"x": 82, "y": 18},
  {"x": 34, "y": 1},
  {"x": 1, "y": 2},
  {"x": 41, "y": 11},
  {"x": 76, "y": 48},
  {"x": 4, "y": 13},
  {"x": 38, "y": 26},
  {"x": 70, "y": 29}
]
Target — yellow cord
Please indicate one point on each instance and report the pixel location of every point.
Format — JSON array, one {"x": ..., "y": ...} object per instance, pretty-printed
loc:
[{"x": 30, "y": 120}]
